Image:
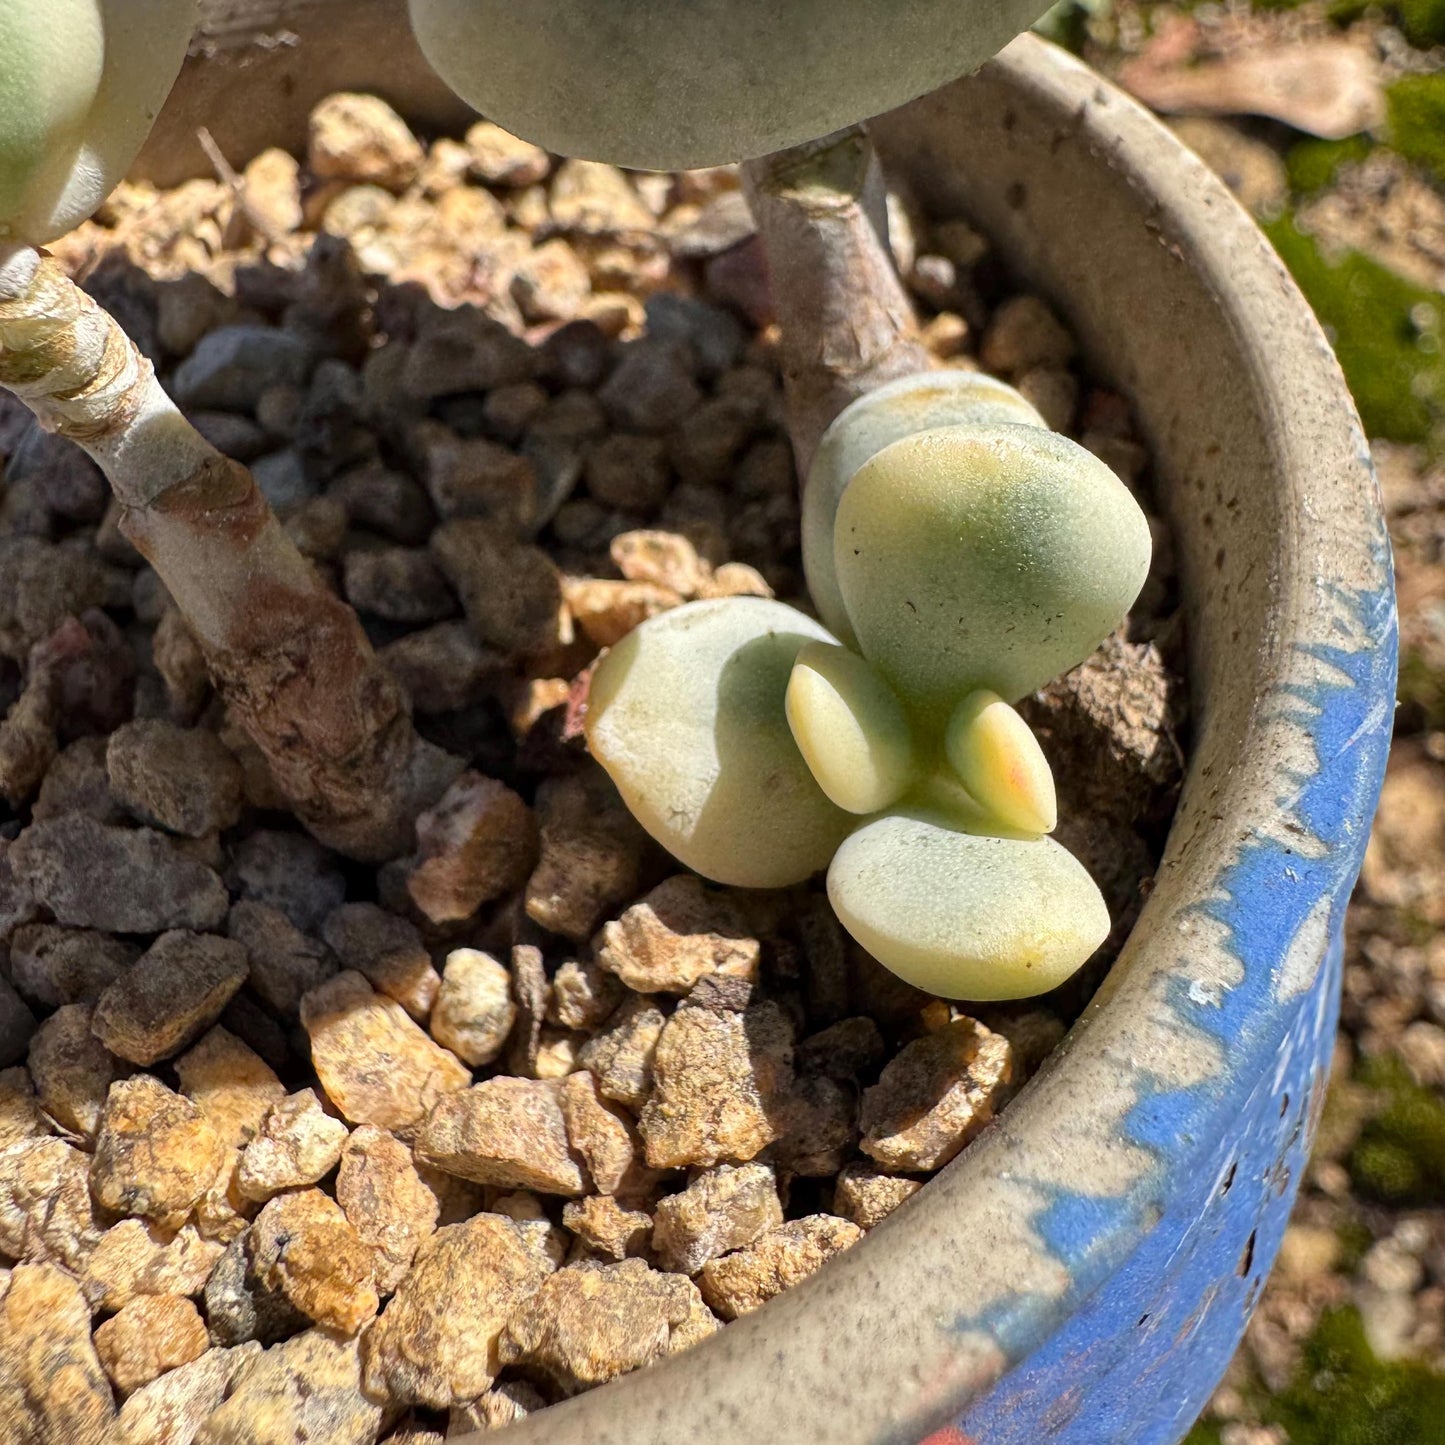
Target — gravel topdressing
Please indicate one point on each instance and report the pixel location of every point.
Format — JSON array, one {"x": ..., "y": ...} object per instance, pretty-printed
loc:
[{"x": 293, "y": 1148}]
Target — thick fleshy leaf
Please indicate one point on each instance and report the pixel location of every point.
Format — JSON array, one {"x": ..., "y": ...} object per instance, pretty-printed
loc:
[
  {"x": 985, "y": 557},
  {"x": 81, "y": 83},
  {"x": 687, "y": 714},
  {"x": 663, "y": 85},
  {"x": 850, "y": 728},
  {"x": 999, "y": 760},
  {"x": 964, "y": 915},
  {"x": 912, "y": 404}
]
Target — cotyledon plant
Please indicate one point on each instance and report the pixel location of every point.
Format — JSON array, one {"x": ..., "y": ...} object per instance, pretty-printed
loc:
[
  {"x": 80, "y": 84},
  {"x": 961, "y": 555}
]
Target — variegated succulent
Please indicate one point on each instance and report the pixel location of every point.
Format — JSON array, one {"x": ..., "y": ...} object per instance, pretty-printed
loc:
[{"x": 960, "y": 555}]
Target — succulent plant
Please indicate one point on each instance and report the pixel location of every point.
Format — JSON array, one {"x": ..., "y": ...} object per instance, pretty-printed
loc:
[
  {"x": 664, "y": 86},
  {"x": 960, "y": 555},
  {"x": 80, "y": 84}
]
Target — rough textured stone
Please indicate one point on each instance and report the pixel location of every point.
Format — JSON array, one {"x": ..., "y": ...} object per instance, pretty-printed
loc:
[
  {"x": 77, "y": 782},
  {"x": 600, "y": 1223},
  {"x": 303, "y": 1245},
  {"x": 20, "y": 1116},
  {"x": 867, "y": 1195},
  {"x": 400, "y": 584},
  {"x": 388, "y": 950},
  {"x": 719, "y": 1082},
  {"x": 148, "y": 1337},
  {"x": 172, "y": 1409},
  {"x": 621, "y": 1055},
  {"x": 230, "y": 1084},
  {"x": 120, "y": 880},
  {"x": 505, "y": 1131},
  {"x": 223, "y": 1210},
  {"x": 46, "y": 1211},
  {"x": 504, "y": 1404},
  {"x": 285, "y": 962},
  {"x": 307, "y": 1388},
  {"x": 602, "y": 1134},
  {"x": 375, "y": 1064},
  {"x": 511, "y": 591},
  {"x": 155, "y": 1154},
  {"x": 531, "y": 991},
  {"x": 590, "y": 1323},
  {"x": 664, "y": 559},
  {"x": 722, "y": 1209},
  {"x": 934, "y": 1096},
  {"x": 386, "y": 1201},
  {"x": 583, "y": 995},
  {"x": 240, "y": 1308},
  {"x": 474, "y": 1011},
  {"x": 477, "y": 844},
  {"x": 40, "y": 586},
  {"x": 1022, "y": 334},
  {"x": 591, "y": 854},
  {"x": 17, "y": 1025},
  {"x": 52, "y": 1388},
  {"x": 820, "y": 1116},
  {"x": 177, "y": 989},
  {"x": 843, "y": 1050},
  {"x": 288, "y": 871},
  {"x": 181, "y": 779},
  {"x": 436, "y": 1342},
  {"x": 55, "y": 966},
  {"x": 607, "y": 610},
  {"x": 441, "y": 669},
  {"x": 500, "y": 158},
  {"x": 136, "y": 1258},
  {"x": 72, "y": 1070},
  {"x": 741, "y": 1282},
  {"x": 680, "y": 933},
  {"x": 297, "y": 1143},
  {"x": 360, "y": 138}
]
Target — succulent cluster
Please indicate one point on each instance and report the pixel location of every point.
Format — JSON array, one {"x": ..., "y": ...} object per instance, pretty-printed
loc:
[{"x": 960, "y": 555}]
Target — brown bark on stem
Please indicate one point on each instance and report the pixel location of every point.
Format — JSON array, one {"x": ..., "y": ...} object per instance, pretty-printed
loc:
[
  {"x": 288, "y": 656},
  {"x": 847, "y": 323}
]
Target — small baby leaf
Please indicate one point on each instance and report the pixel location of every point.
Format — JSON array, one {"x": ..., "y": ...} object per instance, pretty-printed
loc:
[
  {"x": 850, "y": 728},
  {"x": 877, "y": 419},
  {"x": 964, "y": 915},
  {"x": 995, "y": 753},
  {"x": 985, "y": 557},
  {"x": 687, "y": 714}
]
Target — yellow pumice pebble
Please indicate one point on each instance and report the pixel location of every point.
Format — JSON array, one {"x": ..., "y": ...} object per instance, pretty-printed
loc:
[
  {"x": 999, "y": 760},
  {"x": 850, "y": 728}
]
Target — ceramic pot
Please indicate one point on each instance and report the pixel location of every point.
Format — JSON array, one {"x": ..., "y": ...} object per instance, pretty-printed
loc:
[{"x": 1082, "y": 1273}]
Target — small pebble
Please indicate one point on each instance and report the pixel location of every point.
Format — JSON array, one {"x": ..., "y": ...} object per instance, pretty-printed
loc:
[
  {"x": 741, "y": 1282},
  {"x": 603, "y": 1136},
  {"x": 285, "y": 963},
  {"x": 583, "y": 995},
  {"x": 56, "y": 966},
  {"x": 866, "y": 1195},
  {"x": 500, "y": 158},
  {"x": 386, "y": 1201},
  {"x": 680, "y": 933},
  {"x": 173, "y": 1408},
  {"x": 297, "y": 1144},
  {"x": 360, "y": 138},
  {"x": 608, "y": 1227},
  {"x": 137, "y": 1258},
  {"x": 436, "y": 1342},
  {"x": 506, "y": 1131},
  {"x": 155, "y": 1154},
  {"x": 375, "y": 1064},
  {"x": 230, "y": 1084},
  {"x": 303, "y": 1246},
  {"x": 72, "y": 1070},
  {"x": 474, "y": 1011},
  {"x": 590, "y": 1323},
  {"x": 1024, "y": 333},
  {"x": 169, "y": 996},
  {"x": 721, "y": 1210},
  {"x": 149, "y": 1336},
  {"x": 621, "y": 1054},
  {"x": 288, "y": 871}
]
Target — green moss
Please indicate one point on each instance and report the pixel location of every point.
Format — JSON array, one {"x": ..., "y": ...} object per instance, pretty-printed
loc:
[
  {"x": 1311, "y": 164},
  {"x": 1417, "y": 121},
  {"x": 1386, "y": 331},
  {"x": 1205, "y": 1432},
  {"x": 1355, "y": 1238},
  {"x": 1344, "y": 1395},
  {"x": 1400, "y": 1157},
  {"x": 1423, "y": 21}
]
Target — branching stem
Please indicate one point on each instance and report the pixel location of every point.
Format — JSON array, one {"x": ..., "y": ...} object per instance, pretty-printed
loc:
[{"x": 289, "y": 656}]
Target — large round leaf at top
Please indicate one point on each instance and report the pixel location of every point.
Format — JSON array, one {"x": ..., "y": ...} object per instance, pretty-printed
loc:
[
  {"x": 672, "y": 84},
  {"x": 687, "y": 714},
  {"x": 985, "y": 557},
  {"x": 81, "y": 83},
  {"x": 908, "y": 405},
  {"x": 965, "y": 915}
]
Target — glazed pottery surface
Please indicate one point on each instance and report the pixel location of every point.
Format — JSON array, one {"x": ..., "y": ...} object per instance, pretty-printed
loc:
[{"x": 1082, "y": 1273}]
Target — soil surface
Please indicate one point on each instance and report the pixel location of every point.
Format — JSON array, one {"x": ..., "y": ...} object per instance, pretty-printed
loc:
[{"x": 391, "y": 1153}]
